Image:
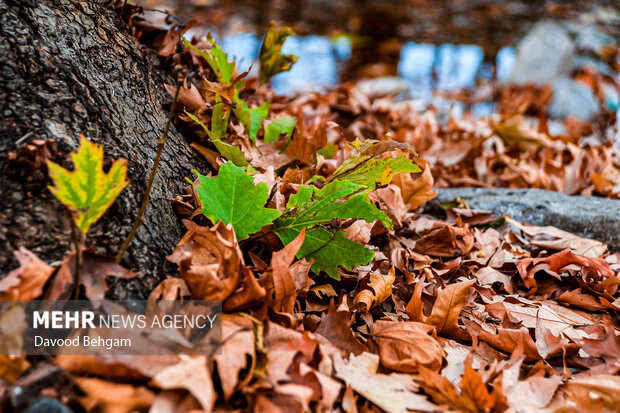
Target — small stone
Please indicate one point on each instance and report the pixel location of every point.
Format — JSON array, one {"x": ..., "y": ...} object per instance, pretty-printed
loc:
[{"x": 572, "y": 98}]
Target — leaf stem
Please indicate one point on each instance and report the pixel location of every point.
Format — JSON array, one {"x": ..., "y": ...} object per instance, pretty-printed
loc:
[
  {"x": 145, "y": 200},
  {"x": 77, "y": 242}
]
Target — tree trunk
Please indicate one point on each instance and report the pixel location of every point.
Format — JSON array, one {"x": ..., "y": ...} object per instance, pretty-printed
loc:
[{"x": 71, "y": 67}]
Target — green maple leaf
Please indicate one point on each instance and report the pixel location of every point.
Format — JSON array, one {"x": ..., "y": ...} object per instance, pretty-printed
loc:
[
  {"x": 313, "y": 208},
  {"x": 339, "y": 199},
  {"x": 365, "y": 168},
  {"x": 87, "y": 190},
  {"x": 329, "y": 249},
  {"x": 231, "y": 152},
  {"x": 272, "y": 61},
  {"x": 277, "y": 127},
  {"x": 217, "y": 60},
  {"x": 251, "y": 118},
  {"x": 232, "y": 197}
]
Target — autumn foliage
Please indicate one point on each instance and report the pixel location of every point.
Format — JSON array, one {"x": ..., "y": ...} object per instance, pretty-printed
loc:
[{"x": 344, "y": 287}]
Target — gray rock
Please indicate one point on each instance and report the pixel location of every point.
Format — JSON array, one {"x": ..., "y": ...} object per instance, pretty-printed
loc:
[
  {"x": 590, "y": 39},
  {"x": 572, "y": 98},
  {"x": 545, "y": 53},
  {"x": 590, "y": 217}
]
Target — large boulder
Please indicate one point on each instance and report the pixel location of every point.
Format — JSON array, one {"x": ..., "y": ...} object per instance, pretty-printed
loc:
[
  {"x": 544, "y": 54},
  {"x": 590, "y": 217}
]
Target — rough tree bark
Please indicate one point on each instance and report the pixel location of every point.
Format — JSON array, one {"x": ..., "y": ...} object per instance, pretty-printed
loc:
[{"x": 69, "y": 67}]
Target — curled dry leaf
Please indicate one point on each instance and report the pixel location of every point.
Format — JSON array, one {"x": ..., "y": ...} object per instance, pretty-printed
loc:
[
  {"x": 456, "y": 355},
  {"x": 556, "y": 318},
  {"x": 603, "y": 342},
  {"x": 209, "y": 261},
  {"x": 406, "y": 345},
  {"x": 283, "y": 281},
  {"x": 189, "y": 98},
  {"x": 304, "y": 147},
  {"x": 577, "y": 298},
  {"x": 391, "y": 201},
  {"x": 211, "y": 264},
  {"x": 375, "y": 289},
  {"x": 470, "y": 216},
  {"x": 326, "y": 390},
  {"x": 27, "y": 281},
  {"x": 416, "y": 189},
  {"x": 360, "y": 231},
  {"x": 488, "y": 276},
  {"x": 528, "y": 267}
]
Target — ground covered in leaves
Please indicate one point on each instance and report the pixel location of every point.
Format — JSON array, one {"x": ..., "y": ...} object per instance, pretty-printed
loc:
[{"x": 344, "y": 287}]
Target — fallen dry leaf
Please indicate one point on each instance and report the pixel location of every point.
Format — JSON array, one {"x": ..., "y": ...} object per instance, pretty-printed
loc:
[
  {"x": 238, "y": 351},
  {"x": 446, "y": 309},
  {"x": 336, "y": 327},
  {"x": 514, "y": 130},
  {"x": 470, "y": 395},
  {"x": 594, "y": 392},
  {"x": 555, "y": 263},
  {"x": 114, "y": 397},
  {"x": 283, "y": 281},
  {"x": 445, "y": 240},
  {"x": 406, "y": 345},
  {"x": 375, "y": 289},
  {"x": 394, "y": 393},
  {"x": 191, "y": 374},
  {"x": 416, "y": 192},
  {"x": 27, "y": 281},
  {"x": 529, "y": 395}
]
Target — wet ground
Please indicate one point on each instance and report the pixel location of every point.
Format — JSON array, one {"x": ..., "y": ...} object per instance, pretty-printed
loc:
[{"x": 427, "y": 48}]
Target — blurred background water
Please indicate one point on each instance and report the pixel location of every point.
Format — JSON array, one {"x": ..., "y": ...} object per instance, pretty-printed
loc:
[{"x": 424, "y": 47}]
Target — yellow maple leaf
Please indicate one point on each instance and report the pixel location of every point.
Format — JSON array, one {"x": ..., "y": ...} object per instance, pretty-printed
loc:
[{"x": 87, "y": 190}]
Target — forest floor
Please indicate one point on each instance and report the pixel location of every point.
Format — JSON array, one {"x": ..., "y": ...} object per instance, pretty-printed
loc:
[{"x": 344, "y": 285}]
